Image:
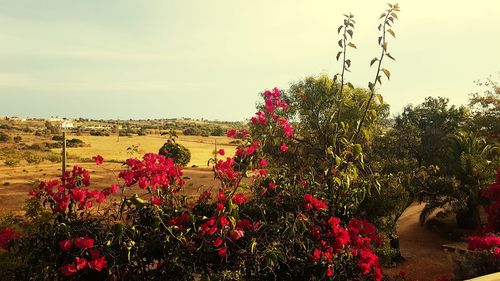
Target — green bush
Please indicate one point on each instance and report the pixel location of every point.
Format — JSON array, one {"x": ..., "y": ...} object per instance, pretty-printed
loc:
[
  {"x": 34, "y": 158},
  {"x": 18, "y": 139},
  {"x": 179, "y": 153}
]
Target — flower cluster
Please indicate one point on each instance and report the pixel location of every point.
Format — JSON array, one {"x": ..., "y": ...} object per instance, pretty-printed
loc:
[
  {"x": 314, "y": 203},
  {"x": 6, "y": 235},
  {"x": 332, "y": 239},
  {"x": 71, "y": 191},
  {"x": 85, "y": 256},
  {"x": 273, "y": 105},
  {"x": 153, "y": 171}
]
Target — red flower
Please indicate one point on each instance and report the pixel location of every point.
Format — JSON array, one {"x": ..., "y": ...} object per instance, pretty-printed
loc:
[
  {"x": 236, "y": 234},
  {"x": 98, "y": 159},
  {"x": 65, "y": 244},
  {"x": 98, "y": 263},
  {"x": 218, "y": 242},
  {"x": 7, "y": 234},
  {"x": 223, "y": 221},
  {"x": 329, "y": 271},
  {"x": 222, "y": 252},
  {"x": 239, "y": 199},
  {"x": 221, "y": 152},
  {"x": 84, "y": 242},
  {"x": 68, "y": 269},
  {"x": 114, "y": 188},
  {"x": 283, "y": 147},
  {"x": 81, "y": 263},
  {"x": 272, "y": 186},
  {"x": 231, "y": 133},
  {"x": 263, "y": 163},
  {"x": 156, "y": 200}
]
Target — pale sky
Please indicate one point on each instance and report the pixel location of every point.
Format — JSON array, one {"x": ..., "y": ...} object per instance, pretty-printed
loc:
[{"x": 164, "y": 59}]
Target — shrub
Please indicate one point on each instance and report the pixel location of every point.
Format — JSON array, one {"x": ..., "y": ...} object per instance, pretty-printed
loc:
[
  {"x": 179, "y": 153},
  {"x": 99, "y": 133},
  {"x": 18, "y": 139},
  {"x": 12, "y": 161},
  {"x": 34, "y": 158},
  {"x": 217, "y": 131},
  {"x": 4, "y": 137},
  {"x": 191, "y": 131}
]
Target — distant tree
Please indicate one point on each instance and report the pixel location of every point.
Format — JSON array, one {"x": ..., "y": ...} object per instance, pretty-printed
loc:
[
  {"x": 191, "y": 131},
  {"x": 18, "y": 139},
  {"x": 485, "y": 108},
  {"x": 179, "y": 153},
  {"x": 425, "y": 128}
]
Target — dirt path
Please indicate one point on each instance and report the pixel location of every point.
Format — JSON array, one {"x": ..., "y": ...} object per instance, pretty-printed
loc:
[{"x": 425, "y": 258}]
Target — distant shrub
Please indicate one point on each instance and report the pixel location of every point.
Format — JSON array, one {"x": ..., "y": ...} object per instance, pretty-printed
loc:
[
  {"x": 142, "y": 133},
  {"x": 37, "y": 147},
  {"x": 18, "y": 139},
  {"x": 4, "y": 137},
  {"x": 192, "y": 131},
  {"x": 11, "y": 161},
  {"x": 34, "y": 158},
  {"x": 75, "y": 143},
  {"x": 217, "y": 131},
  {"x": 179, "y": 153},
  {"x": 99, "y": 133},
  {"x": 39, "y": 133},
  {"x": 54, "y": 158},
  {"x": 205, "y": 134},
  {"x": 57, "y": 138}
]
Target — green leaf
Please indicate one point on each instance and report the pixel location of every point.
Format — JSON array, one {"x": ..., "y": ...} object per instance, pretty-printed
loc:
[
  {"x": 357, "y": 149},
  {"x": 340, "y": 43},
  {"x": 339, "y": 29},
  {"x": 373, "y": 61},
  {"x": 349, "y": 32},
  {"x": 338, "y": 55},
  {"x": 352, "y": 45},
  {"x": 391, "y": 57},
  {"x": 383, "y": 15},
  {"x": 350, "y": 85},
  {"x": 380, "y": 98},
  {"x": 387, "y": 73}
]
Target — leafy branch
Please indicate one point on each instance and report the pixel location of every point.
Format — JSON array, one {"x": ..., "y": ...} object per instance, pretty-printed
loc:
[{"x": 386, "y": 28}]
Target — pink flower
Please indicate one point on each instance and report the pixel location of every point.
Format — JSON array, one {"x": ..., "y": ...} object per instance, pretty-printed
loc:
[
  {"x": 7, "y": 234},
  {"x": 223, "y": 221},
  {"x": 231, "y": 133},
  {"x": 68, "y": 269},
  {"x": 221, "y": 152},
  {"x": 329, "y": 271},
  {"x": 222, "y": 252},
  {"x": 84, "y": 242},
  {"x": 81, "y": 263},
  {"x": 98, "y": 159},
  {"x": 284, "y": 147},
  {"x": 272, "y": 186},
  {"x": 218, "y": 242},
  {"x": 236, "y": 234},
  {"x": 114, "y": 188},
  {"x": 156, "y": 200},
  {"x": 98, "y": 264},
  {"x": 65, "y": 244},
  {"x": 263, "y": 163},
  {"x": 239, "y": 198}
]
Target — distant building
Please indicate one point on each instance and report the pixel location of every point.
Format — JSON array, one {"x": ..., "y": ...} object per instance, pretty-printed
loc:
[{"x": 67, "y": 124}]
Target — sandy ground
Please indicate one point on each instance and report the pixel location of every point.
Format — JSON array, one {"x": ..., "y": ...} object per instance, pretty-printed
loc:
[{"x": 425, "y": 258}]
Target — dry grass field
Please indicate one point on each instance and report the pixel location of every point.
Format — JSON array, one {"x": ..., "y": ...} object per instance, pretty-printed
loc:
[{"x": 114, "y": 149}]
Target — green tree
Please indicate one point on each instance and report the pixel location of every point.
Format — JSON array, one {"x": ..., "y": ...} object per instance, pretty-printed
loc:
[{"x": 179, "y": 153}]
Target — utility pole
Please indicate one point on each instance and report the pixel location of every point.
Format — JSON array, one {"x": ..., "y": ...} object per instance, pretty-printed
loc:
[{"x": 63, "y": 153}]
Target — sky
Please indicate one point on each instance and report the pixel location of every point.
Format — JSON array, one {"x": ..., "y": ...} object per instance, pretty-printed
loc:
[{"x": 209, "y": 59}]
